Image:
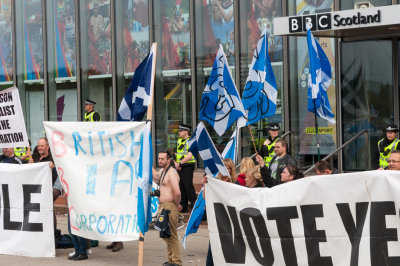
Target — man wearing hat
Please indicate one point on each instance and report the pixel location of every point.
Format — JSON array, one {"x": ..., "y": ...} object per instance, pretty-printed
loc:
[
  {"x": 91, "y": 115},
  {"x": 185, "y": 164},
  {"x": 387, "y": 145},
  {"x": 267, "y": 151}
]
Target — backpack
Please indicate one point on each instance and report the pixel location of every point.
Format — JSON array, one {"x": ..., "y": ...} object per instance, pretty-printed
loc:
[{"x": 65, "y": 242}]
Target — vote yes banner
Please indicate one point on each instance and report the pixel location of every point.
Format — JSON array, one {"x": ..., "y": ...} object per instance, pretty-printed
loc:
[
  {"x": 26, "y": 210},
  {"x": 345, "y": 219},
  {"x": 12, "y": 124},
  {"x": 98, "y": 165}
]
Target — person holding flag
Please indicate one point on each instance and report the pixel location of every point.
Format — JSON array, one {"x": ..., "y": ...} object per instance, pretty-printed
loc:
[
  {"x": 267, "y": 151},
  {"x": 185, "y": 163}
]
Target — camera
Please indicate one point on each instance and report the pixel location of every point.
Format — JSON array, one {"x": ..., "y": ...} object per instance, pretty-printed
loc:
[{"x": 155, "y": 193}]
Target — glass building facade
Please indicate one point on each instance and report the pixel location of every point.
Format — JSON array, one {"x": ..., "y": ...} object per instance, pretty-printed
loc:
[{"x": 60, "y": 52}]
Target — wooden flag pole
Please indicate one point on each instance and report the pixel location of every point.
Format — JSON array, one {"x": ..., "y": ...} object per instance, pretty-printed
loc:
[
  {"x": 149, "y": 116},
  {"x": 252, "y": 138},
  {"x": 29, "y": 153}
]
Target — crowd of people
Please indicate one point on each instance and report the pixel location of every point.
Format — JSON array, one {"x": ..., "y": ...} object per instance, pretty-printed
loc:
[{"x": 271, "y": 166}]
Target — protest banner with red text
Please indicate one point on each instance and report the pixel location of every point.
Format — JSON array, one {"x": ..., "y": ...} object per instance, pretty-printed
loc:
[{"x": 98, "y": 167}]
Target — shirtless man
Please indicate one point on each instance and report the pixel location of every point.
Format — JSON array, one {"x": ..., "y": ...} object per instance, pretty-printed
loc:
[{"x": 170, "y": 197}]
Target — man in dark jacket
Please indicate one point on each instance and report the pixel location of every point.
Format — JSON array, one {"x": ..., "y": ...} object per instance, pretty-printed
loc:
[
  {"x": 9, "y": 156},
  {"x": 272, "y": 174}
]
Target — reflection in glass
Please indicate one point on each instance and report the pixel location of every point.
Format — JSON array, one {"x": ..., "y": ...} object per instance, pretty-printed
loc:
[
  {"x": 64, "y": 38},
  {"x": 175, "y": 34},
  {"x": 33, "y": 40},
  {"x": 173, "y": 98},
  {"x": 99, "y": 31},
  {"x": 6, "y": 63},
  {"x": 135, "y": 32},
  {"x": 366, "y": 80},
  {"x": 349, "y": 4},
  {"x": 257, "y": 15}
]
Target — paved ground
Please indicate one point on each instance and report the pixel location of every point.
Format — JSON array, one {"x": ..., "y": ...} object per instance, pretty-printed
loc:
[{"x": 154, "y": 251}]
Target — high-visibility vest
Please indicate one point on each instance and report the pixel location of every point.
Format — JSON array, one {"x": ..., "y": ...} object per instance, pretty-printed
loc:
[
  {"x": 89, "y": 116},
  {"x": 182, "y": 150},
  {"x": 20, "y": 151},
  {"x": 384, "y": 155},
  {"x": 271, "y": 152}
]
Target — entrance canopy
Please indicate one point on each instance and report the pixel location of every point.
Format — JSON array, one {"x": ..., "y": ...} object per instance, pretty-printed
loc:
[{"x": 384, "y": 20}]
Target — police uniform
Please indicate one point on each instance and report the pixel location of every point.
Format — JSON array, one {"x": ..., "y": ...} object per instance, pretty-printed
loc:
[
  {"x": 92, "y": 116},
  {"x": 267, "y": 152},
  {"x": 20, "y": 152},
  {"x": 186, "y": 172},
  {"x": 385, "y": 147}
]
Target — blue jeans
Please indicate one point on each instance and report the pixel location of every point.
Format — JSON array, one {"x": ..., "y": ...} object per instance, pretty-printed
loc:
[{"x": 79, "y": 242}]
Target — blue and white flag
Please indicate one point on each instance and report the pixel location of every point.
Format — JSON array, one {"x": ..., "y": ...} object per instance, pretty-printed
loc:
[
  {"x": 260, "y": 92},
  {"x": 195, "y": 217},
  {"x": 231, "y": 147},
  {"x": 203, "y": 145},
  {"x": 145, "y": 179},
  {"x": 220, "y": 104},
  {"x": 319, "y": 79},
  {"x": 138, "y": 95}
]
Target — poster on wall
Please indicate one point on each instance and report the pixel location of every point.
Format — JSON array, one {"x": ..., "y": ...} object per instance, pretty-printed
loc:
[
  {"x": 135, "y": 33},
  {"x": 33, "y": 40},
  {"x": 99, "y": 31},
  {"x": 64, "y": 38},
  {"x": 6, "y": 63},
  {"x": 260, "y": 16},
  {"x": 175, "y": 34},
  {"x": 326, "y": 131}
]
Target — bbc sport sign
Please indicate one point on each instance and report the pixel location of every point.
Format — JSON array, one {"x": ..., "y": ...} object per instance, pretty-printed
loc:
[
  {"x": 345, "y": 219},
  {"x": 98, "y": 165},
  {"x": 26, "y": 210},
  {"x": 347, "y": 19}
]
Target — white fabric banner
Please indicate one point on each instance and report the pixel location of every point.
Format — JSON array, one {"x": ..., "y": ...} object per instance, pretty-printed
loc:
[
  {"x": 26, "y": 213},
  {"x": 98, "y": 164},
  {"x": 12, "y": 124},
  {"x": 345, "y": 219}
]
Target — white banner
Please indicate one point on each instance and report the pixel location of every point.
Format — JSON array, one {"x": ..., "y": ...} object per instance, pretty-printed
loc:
[
  {"x": 98, "y": 164},
  {"x": 12, "y": 124},
  {"x": 26, "y": 213},
  {"x": 346, "y": 219}
]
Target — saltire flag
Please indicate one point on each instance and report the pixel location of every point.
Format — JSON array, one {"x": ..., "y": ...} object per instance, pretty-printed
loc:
[
  {"x": 196, "y": 216},
  {"x": 137, "y": 97},
  {"x": 62, "y": 69},
  {"x": 260, "y": 92},
  {"x": 220, "y": 104},
  {"x": 145, "y": 180},
  {"x": 203, "y": 145},
  {"x": 231, "y": 147},
  {"x": 31, "y": 71},
  {"x": 319, "y": 79}
]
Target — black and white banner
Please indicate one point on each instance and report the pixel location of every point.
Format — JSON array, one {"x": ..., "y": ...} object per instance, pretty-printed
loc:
[
  {"x": 12, "y": 123},
  {"x": 26, "y": 210},
  {"x": 345, "y": 219}
]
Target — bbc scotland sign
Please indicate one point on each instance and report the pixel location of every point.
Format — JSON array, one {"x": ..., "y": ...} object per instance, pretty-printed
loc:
[{"x": 347, "y": 19}]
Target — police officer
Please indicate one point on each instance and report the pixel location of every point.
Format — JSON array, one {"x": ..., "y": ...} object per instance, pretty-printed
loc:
[
  {"x": 267, "y": 149},
  {"x": 185, "y": 164},
  {"x": 387, "y": 145},
  {"x": 91, "y": 115}
]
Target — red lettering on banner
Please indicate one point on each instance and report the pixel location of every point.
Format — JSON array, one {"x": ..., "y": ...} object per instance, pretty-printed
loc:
[
  {"x": 58, "y": 142},
  {"x": 70, "y": 209}
]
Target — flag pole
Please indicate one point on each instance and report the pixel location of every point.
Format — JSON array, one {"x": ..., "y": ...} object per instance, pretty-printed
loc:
[
  {"x": 316, "y": 130},
  {"x": 252, "y": 138},
  {"x": 149, "y": 116}
]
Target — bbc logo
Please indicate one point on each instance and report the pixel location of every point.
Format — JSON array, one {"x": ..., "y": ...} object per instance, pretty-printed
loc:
[{"x": 318, "y": 22}]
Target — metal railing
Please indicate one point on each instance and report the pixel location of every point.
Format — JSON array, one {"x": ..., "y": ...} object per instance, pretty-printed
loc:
[
  {"x": 281, "y": 137},
  {"x": 339, "y": 149}
]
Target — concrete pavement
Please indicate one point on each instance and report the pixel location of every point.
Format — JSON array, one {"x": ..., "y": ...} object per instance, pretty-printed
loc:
[{"x": 155, "y": 251}]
